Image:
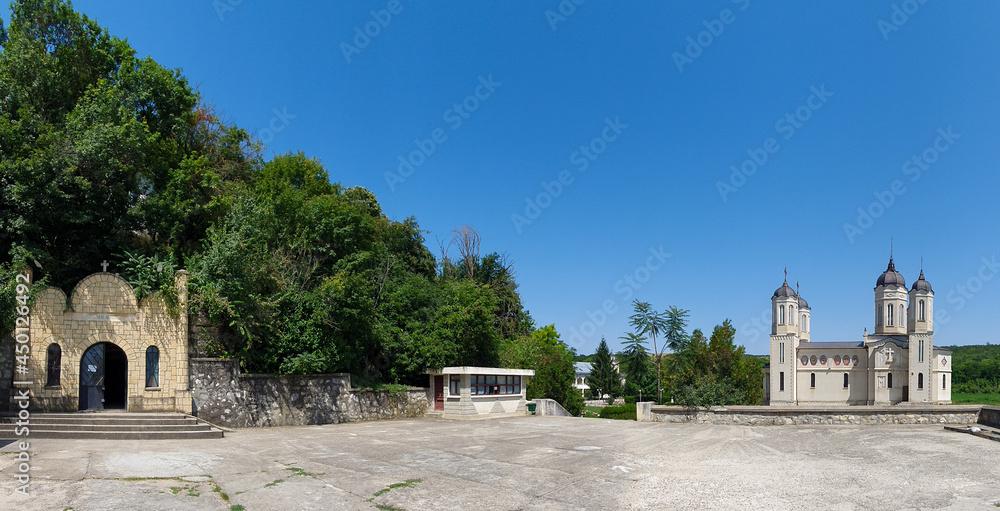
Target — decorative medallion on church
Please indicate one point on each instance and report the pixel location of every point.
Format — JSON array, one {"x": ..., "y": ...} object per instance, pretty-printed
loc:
[
  {"x": 822, "y": 360},
  {"x": 805, "y": 360},
  {"x": 836, "y": 360},
  {"x": 854, "y": 359},
  {"x": 812, "y": 360}
]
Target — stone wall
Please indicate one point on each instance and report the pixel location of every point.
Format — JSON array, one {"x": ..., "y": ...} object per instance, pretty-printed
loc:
[
  {"x": 990, "y": 416},
  {"x": 225, "y": 397},
  {"x": 550, "y": 407},
  {"x": 766, "y": 415}
]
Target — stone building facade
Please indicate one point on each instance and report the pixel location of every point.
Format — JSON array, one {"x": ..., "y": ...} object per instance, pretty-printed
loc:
[
  {"x": 897, "y": 363},
  {"x": 101, "y": 349}
]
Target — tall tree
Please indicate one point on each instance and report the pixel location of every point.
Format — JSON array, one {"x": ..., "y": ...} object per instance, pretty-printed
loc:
[
  {"x": 604, "y": 377},
  {"x": 675, "y": 333},
  {"x": 648, "y": 322},
  {"x": 543, "y": 351}
]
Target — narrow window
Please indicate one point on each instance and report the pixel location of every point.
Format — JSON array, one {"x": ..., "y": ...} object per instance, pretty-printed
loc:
[
  {"x": 802, "y": 324},
  {"x": 781, "y": 381},
  {"x": 781, "y": 353},
  {"x": 890, "y": 380},
  {"x": 152, "y": 367},
  {"x": 791, "y": 314},
  {"x": 812, "y": 380},
  {"x": 920, "y": 356},
  {"x": 878, "y": 315},
  {"x": 845, "y": 380},
  {"x": 889, "y": 314},
  {"x": 781, "y": 317},
  {"x": 944, "y": 381},
  {"x": 54, "y": 365},
  {"x": 920, "y": 381},
  {"x": 921, "y": 308},
  {"x": 453, "y": 385}
]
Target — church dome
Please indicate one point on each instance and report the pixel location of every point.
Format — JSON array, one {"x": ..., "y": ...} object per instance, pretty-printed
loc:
[
  {"x": 803, "y": 304},
  {"x": 784, "y": 291},
  {"x": 921, "y": 285},
  {"x": 890, "y": 277}
]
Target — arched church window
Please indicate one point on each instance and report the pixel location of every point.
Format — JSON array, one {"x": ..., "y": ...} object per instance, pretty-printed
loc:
[
  {"x": 878, "y": 315},
  {"x": 812, "y": 380},
  {"x": 890, "y": 380},
  {"x": 944, "y": 381},
  {"x": 921, "y": 309},
  {"x": 781, "y": 314},
  {"x": 791, "y": 314},
  {"x": 845, "y": 380},
  {"x": 54, "y": 363},
  {"x": 889, "y": 314},
  {"x": 803, "y": 324},
  {"x": 152, "y": 367},
  {"x": 920, "y": 380}
]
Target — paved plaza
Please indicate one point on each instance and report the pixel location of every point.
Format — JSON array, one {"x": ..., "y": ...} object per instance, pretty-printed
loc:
[{"x": 546, "y": 463}]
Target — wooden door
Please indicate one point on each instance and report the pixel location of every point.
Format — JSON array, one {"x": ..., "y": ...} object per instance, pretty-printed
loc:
[{"x": 439, "y": 392}]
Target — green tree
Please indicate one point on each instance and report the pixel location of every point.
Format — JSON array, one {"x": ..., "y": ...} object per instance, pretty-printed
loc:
[
  {"x": 715, "y": 371},
  {"x": 543, "y": 351},
  {"x": 604, "y": 378},
  {"x": 648, "y": 322}
]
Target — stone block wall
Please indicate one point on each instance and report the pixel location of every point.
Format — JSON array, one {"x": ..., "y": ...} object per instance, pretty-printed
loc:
[
  {"x": 990, "y": 416},
  {"x": 225, "y": 397},
  {"x": 769, "y": 416}
]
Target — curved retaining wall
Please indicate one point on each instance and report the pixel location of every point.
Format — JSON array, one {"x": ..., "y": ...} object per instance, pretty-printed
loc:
[{"x": 772, "y": 416}]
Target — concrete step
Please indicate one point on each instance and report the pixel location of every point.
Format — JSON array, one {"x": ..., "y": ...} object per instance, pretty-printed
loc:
[
  {"x": 981, "y": 431},
  {"x": 111, "y": 426}
]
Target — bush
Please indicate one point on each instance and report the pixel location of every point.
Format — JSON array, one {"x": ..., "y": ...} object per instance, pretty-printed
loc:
[{"x": 619, "y": 412}]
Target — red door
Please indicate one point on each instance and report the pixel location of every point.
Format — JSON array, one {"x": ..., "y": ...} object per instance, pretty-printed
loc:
[{"x": 439, "y": 392}]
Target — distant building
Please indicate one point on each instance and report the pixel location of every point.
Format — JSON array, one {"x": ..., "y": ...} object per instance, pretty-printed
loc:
[
  {"x": 583, "y": 370},
  {"x": 897, "y": 363}
]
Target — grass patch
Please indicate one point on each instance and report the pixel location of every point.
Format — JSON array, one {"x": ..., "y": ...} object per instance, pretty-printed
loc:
[
  {"x": 384, "y": 507},
  {"x": 236, "y": 508},
  {"x": 176, "y": 489},
  {"x": 620, "y": 412},
  {"x": 299, "y": 472},
  {"x": 404, "y": 484},
  {"x": 961, "y": 398},
  {"x": 276, "y": 482},
  {"x": 592, "y": 411}
]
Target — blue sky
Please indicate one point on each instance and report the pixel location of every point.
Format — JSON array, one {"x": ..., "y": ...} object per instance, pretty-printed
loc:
[{"x": 643, "y": 110}]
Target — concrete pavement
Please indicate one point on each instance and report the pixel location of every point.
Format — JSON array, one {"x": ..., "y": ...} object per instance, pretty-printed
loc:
[{"x": 522, "y": 463}]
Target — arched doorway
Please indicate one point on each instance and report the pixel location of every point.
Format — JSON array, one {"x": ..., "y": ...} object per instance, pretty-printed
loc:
[{"x": 103, "y": 378}]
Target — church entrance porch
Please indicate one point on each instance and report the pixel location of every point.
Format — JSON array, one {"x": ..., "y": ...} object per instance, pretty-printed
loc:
[{"x": 103, "y": 378}]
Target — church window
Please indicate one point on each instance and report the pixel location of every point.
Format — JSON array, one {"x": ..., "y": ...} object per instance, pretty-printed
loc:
[
  {"x": 845, "y": 380},
  {"x": 781, "y": 381},
  {"x": 889, "y": 314},
  {"x": 812, "y": 380},
  {"x": 920, "y": 355},
  {"x": 920, "y": 381},
  {"x": 878, "y": 315},
  {"x": 921, "y": 309},
  {"x": 803, "y": 324},
  {"x": 944, "y": 381},
  {"x": 890, "y": 380},
  {"x": 152, "y": 367},
  {"x": 54, "y": 364},
  {"x": 781, "y": 353},
  {"x": 781, "y": 314},
  {"x": 791, "y": 314}
]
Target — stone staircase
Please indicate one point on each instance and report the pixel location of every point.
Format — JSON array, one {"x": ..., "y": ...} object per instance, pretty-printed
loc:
[{"x": 111, "y": 426}]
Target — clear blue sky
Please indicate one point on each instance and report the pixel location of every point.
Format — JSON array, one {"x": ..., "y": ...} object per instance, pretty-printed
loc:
[{"x": 869, "y": 86}]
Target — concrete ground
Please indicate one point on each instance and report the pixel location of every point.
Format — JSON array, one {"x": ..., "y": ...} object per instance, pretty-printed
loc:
[{"x": 549, "y": 463}]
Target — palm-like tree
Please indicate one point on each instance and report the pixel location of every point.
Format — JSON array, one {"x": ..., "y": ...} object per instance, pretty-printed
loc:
[
  {"x": 647, "y": 321},
  {"x": 634, "y": 355}
]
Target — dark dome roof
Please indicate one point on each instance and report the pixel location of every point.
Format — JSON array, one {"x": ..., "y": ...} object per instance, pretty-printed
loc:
[
  {"x": 803, "y": 304},
  {"x": 784, "y": 291},
  {"x": 922, "y": 285},
  {"x": 890, "y": 277}
]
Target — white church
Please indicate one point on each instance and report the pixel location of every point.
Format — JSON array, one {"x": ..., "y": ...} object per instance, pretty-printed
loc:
[{"x": 896, "y": 364}]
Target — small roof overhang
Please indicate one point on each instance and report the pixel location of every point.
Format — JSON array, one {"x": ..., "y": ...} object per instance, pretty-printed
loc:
[{"x": 498, "y": 371}]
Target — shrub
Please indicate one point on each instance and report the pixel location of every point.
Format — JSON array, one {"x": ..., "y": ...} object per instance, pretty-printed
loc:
[{"x": 619, "y": 412}]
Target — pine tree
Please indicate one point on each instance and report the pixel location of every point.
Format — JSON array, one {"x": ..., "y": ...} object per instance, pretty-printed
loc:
[{"x": 604, "y": 378}]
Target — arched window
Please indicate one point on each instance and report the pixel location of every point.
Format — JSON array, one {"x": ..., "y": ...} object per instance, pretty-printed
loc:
[
  {"x": 890, "y": 380},
  {"x": 812, "y": 380},
  {"x": 791, "y": 314},
  {"x": 920, "y": 307},
  {"x": 944, "y": 381},
  {"x": 781, "y": 314},
  {"x": 845, "y": 380},
  {"x": 889, "y": 314},
  {"x": 802, "y": 324},
  {"x": 920, "y": 380},
  {"x": 53, "y": 366},
  {"x": 878, "y": 315},
  {"x": 152, "y": 367}
]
